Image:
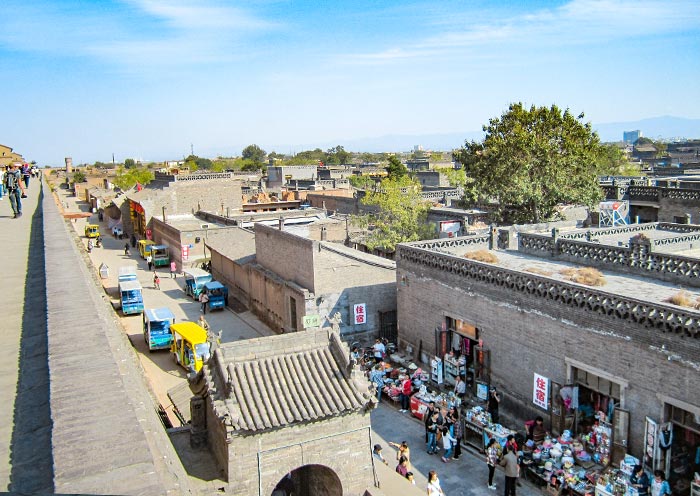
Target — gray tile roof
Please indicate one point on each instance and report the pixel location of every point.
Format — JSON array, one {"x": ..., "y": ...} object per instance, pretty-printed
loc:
[{"x": 275, "y": 381}]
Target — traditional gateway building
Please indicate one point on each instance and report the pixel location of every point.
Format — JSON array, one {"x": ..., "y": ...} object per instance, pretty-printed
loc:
[
  {"x": 287, "y": 412},
  {"x": 519, "y": 317}
]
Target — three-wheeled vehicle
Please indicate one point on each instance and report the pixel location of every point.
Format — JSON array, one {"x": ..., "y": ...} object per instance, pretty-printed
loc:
[
  {"x": 145, "y": 247},
  {"x": 190, "y": 345},
  {"x": 218, "y": 295},
  {"x": 127, "y": 273},
  {"x": 161, "y": 255},
  {"x": 131, "y": 297},
  {"x": 92, "y": 231},
  {"x": 195, "y": 279},
  {"x": 156, "y": 328}
]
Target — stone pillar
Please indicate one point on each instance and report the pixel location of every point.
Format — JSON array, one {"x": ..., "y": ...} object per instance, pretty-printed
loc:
[
  {"x": 504, "y": 239},
  {"x": 555, "y": 239},
  {"x": 640, "y": 251},
  {"x": 493, "y": 233}
]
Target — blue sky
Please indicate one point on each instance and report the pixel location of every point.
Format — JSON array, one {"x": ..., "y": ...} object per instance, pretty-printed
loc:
[{"x": 148, "y": 78}]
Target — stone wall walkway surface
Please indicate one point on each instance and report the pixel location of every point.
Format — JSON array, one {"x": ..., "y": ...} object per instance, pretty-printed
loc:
[{"x": 82, "y": 418}]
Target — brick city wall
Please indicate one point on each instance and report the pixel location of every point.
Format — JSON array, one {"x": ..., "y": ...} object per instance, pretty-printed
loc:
[
  {"x": 291, "y": 257},
  {"x": 527, "y": 334},
  {"x": 674, "y": 209},
  {"x": 259, "y": 462}
]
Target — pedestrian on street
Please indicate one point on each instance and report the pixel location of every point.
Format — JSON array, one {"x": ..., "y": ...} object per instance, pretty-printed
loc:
[
  {"x": 149, "y": 261},
  {"x": 434, "y": 488},
  {"x": 426, "y": 418},
  {"x": 376, "y": 377},
  {"x": 203, "y": 323},
  {"x": 203, "y": 300},
  {"x": 406, "y": 390},
  {"x": 126, "y": 249},
  {"x": 133, "y": 240},
  {"x": 173, "y": 270},
  {"x": 432, "y": 434},
  {"x": 457, "y": 433},
  {"x": 448, "y": 442},
  {"x": 156, "y": 280},
  {"x": 492, "y": 460},
  {"x": 15, "y": 189},
  {"x": 510, "y": 463}
]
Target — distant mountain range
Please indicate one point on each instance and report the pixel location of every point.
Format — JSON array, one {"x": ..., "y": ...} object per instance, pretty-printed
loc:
[{"x": 665, "y": 127}]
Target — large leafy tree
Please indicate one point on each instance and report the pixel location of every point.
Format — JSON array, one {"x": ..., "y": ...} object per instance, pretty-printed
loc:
[
  {"x": 613, "y": 161},
  {"x": 254, "y": 154},
  {"x": 396, "y": 169},
  {"x": 401, "y": 215},
  {"x": 337, "y": 155},
  {"x": 532, "y": 160},
  {"x": 127, "y": 178}
]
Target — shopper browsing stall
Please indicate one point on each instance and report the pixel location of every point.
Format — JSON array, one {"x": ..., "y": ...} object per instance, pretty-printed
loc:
[{"x": 640, "y": 481}]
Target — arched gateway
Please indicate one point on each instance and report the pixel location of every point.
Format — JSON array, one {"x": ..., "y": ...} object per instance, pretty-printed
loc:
[{"x": 309, "y": 480}]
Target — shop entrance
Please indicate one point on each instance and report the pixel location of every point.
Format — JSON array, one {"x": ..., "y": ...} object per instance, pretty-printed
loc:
[
  {"x": 599, "y": 412},
  {"x": 683, "y": 455},
  {"x": 309, "y": 480},
  {"x": 458, "y": 346}
]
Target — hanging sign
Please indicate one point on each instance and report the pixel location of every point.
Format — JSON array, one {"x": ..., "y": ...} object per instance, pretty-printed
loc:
[
  {"x": 540, "y": 391},
  {"x": 185, "y": 252},
  {"x": 360, "y": 311},
  {"x": 651, "y": 436},
  {"x": 311, "y": 321}
]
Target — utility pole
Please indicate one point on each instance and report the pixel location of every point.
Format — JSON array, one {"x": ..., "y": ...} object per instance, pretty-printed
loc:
[{"x": 191, "y": 149}]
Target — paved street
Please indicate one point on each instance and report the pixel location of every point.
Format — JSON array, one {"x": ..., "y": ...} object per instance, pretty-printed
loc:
[{"x": 464, "y": 477}]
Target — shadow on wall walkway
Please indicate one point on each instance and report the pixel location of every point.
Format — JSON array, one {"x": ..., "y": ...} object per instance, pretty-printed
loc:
[{"x": 30, "y": 449}]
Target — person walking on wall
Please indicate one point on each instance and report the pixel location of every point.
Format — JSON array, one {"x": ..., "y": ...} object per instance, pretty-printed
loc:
[
  {"x": 434, "y": 488},
  {"x": 26, "y": 174},
  {"x": 15, "y": 189}
]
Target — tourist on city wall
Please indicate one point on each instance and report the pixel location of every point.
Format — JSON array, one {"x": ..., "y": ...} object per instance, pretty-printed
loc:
[
  {"x": 26, "y": 174},
  {"x": 402, "y": 467},
  {"x": 409, "y": 477},
  {"x": 434, "y": 488},
  {"x": 403, "y": 452},
  {"x": 491, "y": 460},
  {"x": 494, "y": 400},
  {"x": 15, "y": 189},
  {"x": 510, "y": 463},
  {"x": 2, "y": 182},
  {"x": 377, "y": 454}
]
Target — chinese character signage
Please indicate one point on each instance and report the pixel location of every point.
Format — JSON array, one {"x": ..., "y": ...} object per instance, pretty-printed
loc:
[
  {"x": 311, "y": 321},
  {"x": 185, "y": 252},
  {"x": 360, "y": 311},
  {"x": 540, "y": 391}
]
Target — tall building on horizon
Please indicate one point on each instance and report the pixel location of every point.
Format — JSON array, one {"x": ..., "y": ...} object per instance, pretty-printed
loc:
[{"x": 631, "y": 137}]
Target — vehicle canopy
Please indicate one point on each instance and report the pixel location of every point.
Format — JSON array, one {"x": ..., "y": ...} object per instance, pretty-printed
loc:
[
  {"x": 131, "y": 297},
  {"x": 188, "y": 335},
  {"x": 145, "y": 247},
  {"x": 127, "y": 273},
  {"x": 161, "y": 255},
  {"x": 214, "y": 287},
  {"x": 129, "y": 286},
  {"x": 92, "y": 230},
  {"x": 158, "y": 315}
]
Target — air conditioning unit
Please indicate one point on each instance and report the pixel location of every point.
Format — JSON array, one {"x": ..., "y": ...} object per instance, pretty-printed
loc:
[{"x": 205, "y": 226}]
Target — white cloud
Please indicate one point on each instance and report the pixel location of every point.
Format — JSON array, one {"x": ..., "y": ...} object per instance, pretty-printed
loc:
[{"x": 576, "y": 22}]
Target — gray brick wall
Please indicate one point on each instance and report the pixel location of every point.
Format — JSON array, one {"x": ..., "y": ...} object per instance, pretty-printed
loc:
[
  {"x": 289, "y": 256},
  {"x": 527, "y": 334}
]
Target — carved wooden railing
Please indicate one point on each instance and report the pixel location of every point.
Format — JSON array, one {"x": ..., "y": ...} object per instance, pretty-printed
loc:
[{"x": 664, "y": 318}]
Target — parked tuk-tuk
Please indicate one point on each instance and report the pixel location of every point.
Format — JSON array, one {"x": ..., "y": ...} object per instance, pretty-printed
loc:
[
  {"x": 195, "y": 279},
  {"x": 156, "y": 328},
  {"x": 131, "y": 297},
  {"x": 161, "y": 255},
  {"x": 190, "y": 345},
  {"x": 145, "y": 247},
  {"x": 218, "y": 295},
  {"x": 127, "y": 273},
  {"x": 92, "y": 231}
]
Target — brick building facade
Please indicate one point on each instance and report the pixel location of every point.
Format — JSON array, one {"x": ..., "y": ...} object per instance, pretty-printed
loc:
[{"x": 644, "y": 352}]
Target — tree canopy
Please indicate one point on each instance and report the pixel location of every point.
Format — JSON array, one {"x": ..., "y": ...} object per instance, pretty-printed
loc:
[
  {"x": 127, "y": 178},
  {"x": 337, "y": 156},
  {"x": 532, "y": 160},
  {"x": 613, "y": 161},
  {"x": 401, "y": 216},
  {"x": 396, "y": 169},
  {"x": 254, "y": 154}
]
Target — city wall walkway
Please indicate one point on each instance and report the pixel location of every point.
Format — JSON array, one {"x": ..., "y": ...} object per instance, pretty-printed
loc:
[{"x": 77, "y": 415}]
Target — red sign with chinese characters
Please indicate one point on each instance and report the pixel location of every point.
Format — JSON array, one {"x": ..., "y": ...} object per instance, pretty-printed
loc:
[
  {"x": 540, "y": 391},
  {"x": 360, "y": 311}
]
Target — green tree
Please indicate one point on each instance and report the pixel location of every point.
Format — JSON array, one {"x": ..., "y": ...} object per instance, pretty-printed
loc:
[
  {"x": 79, "y": 177},
  {"x": 129, "y": 163},
  {"x": 337, "y": 155},
  {"x": 532, "y": 160},
  {"x": 362, "y": 182},
  {"x": 401, "y": 216},
  {"x": 127, "y": 178},
  {"x": 456, "y": 177},
  {"x": 254, "y": 153},
  {"x": 396, "y": 169},
  {"x": 613, "y": 161},
  {"x": 200, "y": 162}
]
